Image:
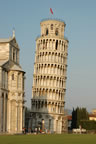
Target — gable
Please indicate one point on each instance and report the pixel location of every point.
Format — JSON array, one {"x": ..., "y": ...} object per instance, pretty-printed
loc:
[{"x": 14, "y": 43}]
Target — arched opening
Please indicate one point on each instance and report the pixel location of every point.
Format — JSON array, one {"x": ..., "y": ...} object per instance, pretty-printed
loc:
[
  {"x": 51, "y": 26},
  {"x": 13, "y": 55},
  {"x": 56, "y": 32},
  {"x": 56, "y": 44},
  {"x": 46, "y": 31},
  {"x": 12, "y": 76}
]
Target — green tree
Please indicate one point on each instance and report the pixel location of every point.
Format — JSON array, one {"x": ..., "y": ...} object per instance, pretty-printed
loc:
[
  {"x": 27, "y": 117},
  {"x": 78, "y": 115},
  {"x": 74, "y": 119}
]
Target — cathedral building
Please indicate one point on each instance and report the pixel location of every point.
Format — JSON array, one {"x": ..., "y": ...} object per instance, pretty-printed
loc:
[
  {"x": 11, "y": 87},
  {"x": 49, "y": 78}
]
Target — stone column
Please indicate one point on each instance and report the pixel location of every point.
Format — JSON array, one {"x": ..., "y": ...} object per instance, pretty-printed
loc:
[
  {"x": 0, "y": 112},
  {"x": 8, "y": 115},
  {"x": 54, "y": 45},
  {"x": 4, "y": 112},
  {"x": 53, "y": 124},
  {"x": 21, "y": 116},
  {"x": 18, "y": 56},
  {"x": 16, "y": 117},
  {"x": 0, "y": 77},
  {"x": 21, "y": 81},
  {"x": 60, "y": 126},
  {"x": 0, "y": 99},
  {"x": 6, "y": 98},
  {"x": 12, "y": 53},
  {"x": 15, "y": 55},
  {"x": 59, "y": 45}
]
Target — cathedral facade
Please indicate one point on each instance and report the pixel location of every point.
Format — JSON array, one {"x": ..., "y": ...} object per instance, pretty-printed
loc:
[
  {"x": 49, "y": 78},
  {"x": 11, "y": 87}
]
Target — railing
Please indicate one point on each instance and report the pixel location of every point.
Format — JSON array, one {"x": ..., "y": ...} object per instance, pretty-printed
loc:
[
  {"x": 65, "y": 38},
  {"x": 53, "y": 19}
]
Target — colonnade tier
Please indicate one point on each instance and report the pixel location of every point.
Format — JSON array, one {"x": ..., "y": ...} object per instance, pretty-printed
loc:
[
  {"x": 59, "y": 103},
  {"x": 51, "y": 59},
  {"x": 50, "y": 69},
  {"x": 51, "y": 85},
  {"x": 45, "y": 41},
  {"x": 40, "y": 76},
  {"x": 45, "y": 59},
  {"x": 51, "y": 53},
  {"x": 38, "y": 65},
  {"x": 48, "y": 89},
  {"x": 49, "y": 101},
  {"x": 48, "y": 94},
  {"x": 49, "y": 81},
  {"x": 48, "y": 106}
]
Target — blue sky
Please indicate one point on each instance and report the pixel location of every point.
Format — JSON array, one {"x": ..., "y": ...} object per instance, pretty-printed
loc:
[{"x": 80, "y": 19}]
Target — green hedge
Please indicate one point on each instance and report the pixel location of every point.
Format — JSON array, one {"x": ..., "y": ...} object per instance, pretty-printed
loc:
[{"x": 88, "y": 125}]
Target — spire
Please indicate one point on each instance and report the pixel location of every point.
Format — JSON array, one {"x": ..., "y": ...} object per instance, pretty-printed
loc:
[{"x": 13, "y": 32}]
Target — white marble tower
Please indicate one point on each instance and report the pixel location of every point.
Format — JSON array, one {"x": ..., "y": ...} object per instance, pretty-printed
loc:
[{"x": 49, "y": 78}]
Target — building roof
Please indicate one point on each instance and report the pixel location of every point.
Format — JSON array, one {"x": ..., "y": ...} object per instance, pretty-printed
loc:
[
  {"x": 92, "y": 115},
  {"x": 53, "y": 19},
  {"x": 16, "y": 68},
  {"x": 69, "y": 117},
  {"x": 2, "y": 62},
  {"x": 2, "y": 40},
  {"x": 6, "y": 40},
  {"x": 10, "y": 66}
]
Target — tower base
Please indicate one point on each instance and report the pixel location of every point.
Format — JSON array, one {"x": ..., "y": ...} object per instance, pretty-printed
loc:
[{"x": 48, "y": 123}]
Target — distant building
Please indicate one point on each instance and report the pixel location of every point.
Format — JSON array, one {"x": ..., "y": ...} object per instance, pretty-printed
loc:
[
  {"x": 49, "y": 78},
  {"x": 94, "y": 111},
  {"x": 11, "y": 87},
  {"x": 92, "y": 116},
  {"x": 69, "y": 117}
]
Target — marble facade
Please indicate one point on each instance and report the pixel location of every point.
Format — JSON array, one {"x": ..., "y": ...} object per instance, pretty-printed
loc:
[
  {"x": 11, "y": 87},
  {"x": 49, "y": 78}
]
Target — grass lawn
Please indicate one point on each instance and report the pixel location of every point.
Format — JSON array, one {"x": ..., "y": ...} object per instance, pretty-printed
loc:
[{"x": 48, "y": 139}]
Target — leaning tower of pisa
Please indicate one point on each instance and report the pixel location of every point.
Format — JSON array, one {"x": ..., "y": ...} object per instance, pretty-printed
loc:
[{"x": 49, "y": 78}]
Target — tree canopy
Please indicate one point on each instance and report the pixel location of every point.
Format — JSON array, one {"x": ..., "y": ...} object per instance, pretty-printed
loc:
[{"x": 77, "y": 115}]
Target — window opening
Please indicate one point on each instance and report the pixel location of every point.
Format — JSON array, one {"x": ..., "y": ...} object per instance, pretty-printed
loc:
[
  {"x": 12, "y": 76},
  {"x": 56, "y": 44},
  {"x": 56, "y": 32},
  {"x": 13, "y": 55},
  {"x": 51, "y": 26},
  {"x": 46, "y": 31}
]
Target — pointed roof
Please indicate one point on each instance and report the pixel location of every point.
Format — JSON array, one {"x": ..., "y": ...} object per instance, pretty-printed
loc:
[
  {"x": 16, "y": 68},
  {"x": 2, "y": 62},
  {"x": 5, "y": 40},
  {"x": 13, "y": 32},
  {"x": 9, "y": 65},
  {"x": 10, "y": 39}
]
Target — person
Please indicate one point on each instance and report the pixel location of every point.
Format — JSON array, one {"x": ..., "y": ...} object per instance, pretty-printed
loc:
[{"x": 46, "y": 130}]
